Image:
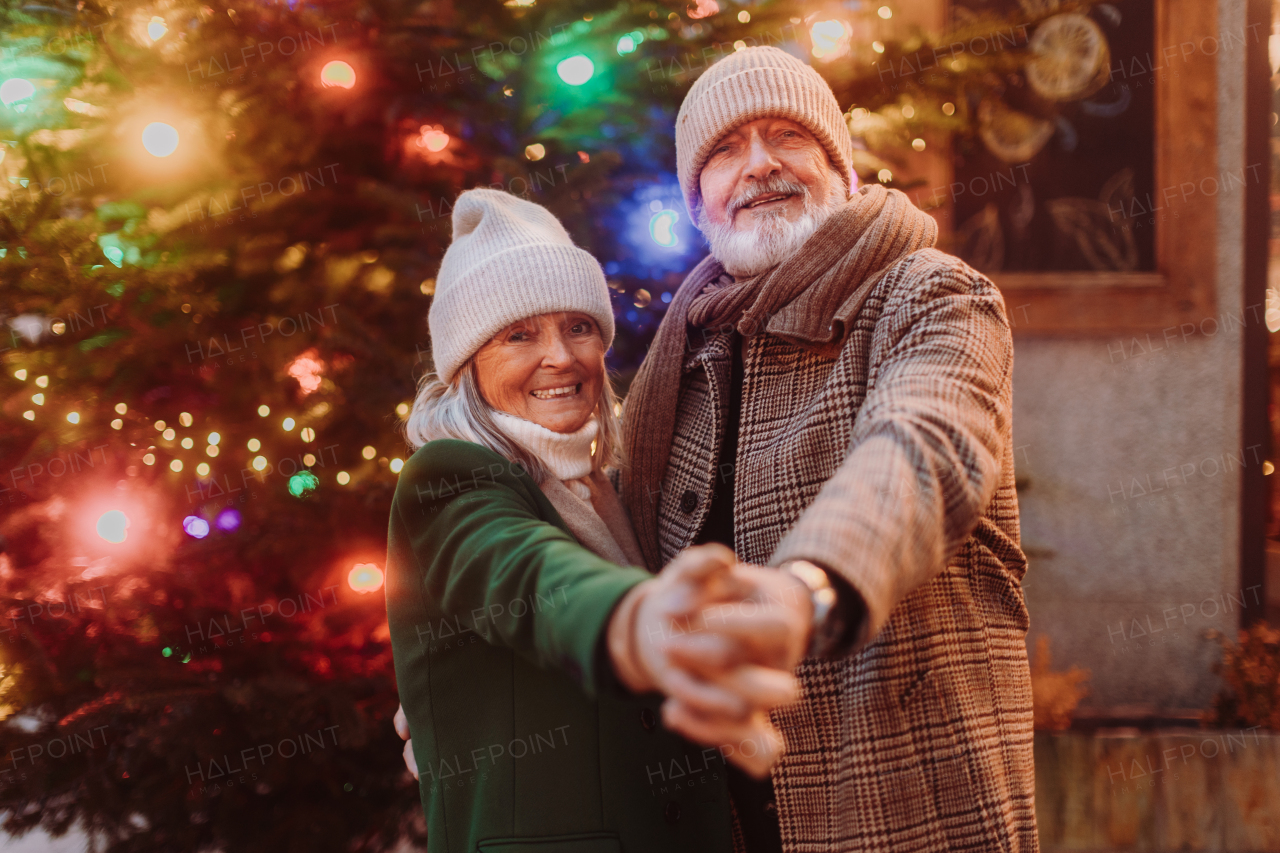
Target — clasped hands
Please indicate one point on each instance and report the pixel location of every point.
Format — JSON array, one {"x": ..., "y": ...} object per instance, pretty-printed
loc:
[{"x": 721, "y": 639}]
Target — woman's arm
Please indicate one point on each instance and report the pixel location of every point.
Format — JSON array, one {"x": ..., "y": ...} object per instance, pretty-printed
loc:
[{"x": 486, "y": 558}]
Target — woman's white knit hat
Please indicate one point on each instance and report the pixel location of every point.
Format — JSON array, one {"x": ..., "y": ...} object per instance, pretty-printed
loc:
[
  {"x": 752, "y": 83},
  {"x": 509, "y": 259}
]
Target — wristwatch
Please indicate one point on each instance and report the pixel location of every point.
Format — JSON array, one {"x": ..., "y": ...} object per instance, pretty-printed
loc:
[{"x": 828, "y": 626}]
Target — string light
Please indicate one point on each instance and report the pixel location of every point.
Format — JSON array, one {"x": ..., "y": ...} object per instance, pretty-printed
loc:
[
  {"x": 402, "y": 409},
  {"x": 203, "y": 469},
  {"x": 396, "y": 465},
  {"x": 29, "y": 415},
  {"x": 195, "y": 526},
  {"x": 159, "y": 426},
  {"x": 15, "y": 90},
  {"x": 113, "y": 526},
  {"x": 288, "y": 424},
  {"x": 42, "y": 381},
  {"x": 212, "y": 451},
  {"x": 264, "y": 410},
  {"x": 253, "y": 445},
  {"x": 343, "y": 478},
  {"x": 228, "y": 519},
  {"x": 259, "y": 462},
  {"x": 156, "y": 28},
  {"x": 73, "y": 417},
  {"x": 214, "y": 438},
  {"x": 309, "y": 459},
  {"x": 117, "y": 424},
  {"x": 365, "y": 577},
  {"x": 337, "y": 73},
  {"x": 38, "y": 399},
  {"x": 303, "y": 483},
  {"x": 307, "y": 434},
  {"x": 121, "y": 408},
  {"x": 175, "y": 466},
  {"x": 576, "y": 69},
  {"x": 188, "y": 443},
  {"x": 369, "y": 452},
  {"x": 169, "y": 434},
  {"x": 149, "y": 459},
  {"x": 185, "y": 419},
  {"x": 160, "y": 139},
  {"x": 21, "y": 374}
]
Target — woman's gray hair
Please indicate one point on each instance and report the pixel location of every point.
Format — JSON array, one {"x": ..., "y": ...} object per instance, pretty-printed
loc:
[{"x": 458, "y": 410}]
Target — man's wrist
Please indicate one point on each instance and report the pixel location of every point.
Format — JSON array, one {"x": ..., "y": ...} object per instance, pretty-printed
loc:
[
  {"x": 838, "y": 608},
  {"x": 823, "y": 597}
]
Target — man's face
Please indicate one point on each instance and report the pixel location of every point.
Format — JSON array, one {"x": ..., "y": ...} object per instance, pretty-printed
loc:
[{"x": 743, "y": 181}]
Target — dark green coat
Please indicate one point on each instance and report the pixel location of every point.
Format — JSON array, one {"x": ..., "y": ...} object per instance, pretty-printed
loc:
[{"x": 524, "y": 739}]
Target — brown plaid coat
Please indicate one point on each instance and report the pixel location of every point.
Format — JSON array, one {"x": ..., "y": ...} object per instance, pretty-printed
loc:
[{"x": 888, "y": 457}]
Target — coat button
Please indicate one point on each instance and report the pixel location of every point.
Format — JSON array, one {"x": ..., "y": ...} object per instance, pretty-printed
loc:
[
  {"x": 688, "y": 501},
  {"x": 672, "y": 812},
  {"x": 647, "y": 719}
]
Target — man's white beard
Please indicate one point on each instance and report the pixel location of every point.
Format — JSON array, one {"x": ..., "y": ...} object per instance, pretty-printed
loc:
[{"x": 744, "y": 254}]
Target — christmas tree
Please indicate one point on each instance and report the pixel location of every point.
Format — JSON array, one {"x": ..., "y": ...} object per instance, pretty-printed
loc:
[{"x": 219, "y": 229}]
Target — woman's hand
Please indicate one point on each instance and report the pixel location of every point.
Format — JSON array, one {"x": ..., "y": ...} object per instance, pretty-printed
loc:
[{"x": 402, "y": 729}]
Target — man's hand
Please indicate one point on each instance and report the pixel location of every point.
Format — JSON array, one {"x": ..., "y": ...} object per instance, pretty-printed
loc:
[
  {"x": 720, "y": 638},
  {"x": 402, "y": 729}
]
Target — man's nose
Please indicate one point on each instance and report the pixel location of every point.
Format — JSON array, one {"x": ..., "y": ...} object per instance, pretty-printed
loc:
[{"x": 762, "y": 162}]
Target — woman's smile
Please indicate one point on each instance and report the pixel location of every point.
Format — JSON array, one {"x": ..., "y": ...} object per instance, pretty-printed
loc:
[{"x": 558, "y": 392}]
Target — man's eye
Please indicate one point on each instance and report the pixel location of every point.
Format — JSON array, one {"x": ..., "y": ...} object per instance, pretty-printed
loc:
[{"x": 518, "y": 337}]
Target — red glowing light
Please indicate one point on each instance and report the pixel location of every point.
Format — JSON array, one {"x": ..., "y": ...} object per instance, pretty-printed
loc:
[{"x": 365, "y": 577}]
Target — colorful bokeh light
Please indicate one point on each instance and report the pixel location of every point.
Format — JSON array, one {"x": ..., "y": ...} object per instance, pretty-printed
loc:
[
  {"x": 113, "y": 526},
  {"x": 365, "y": 577},
  {"x": 195, "y": 526},
  {"x": 338, "y": 74}
]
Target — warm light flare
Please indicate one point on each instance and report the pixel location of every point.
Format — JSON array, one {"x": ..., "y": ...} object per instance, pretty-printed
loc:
[
  {"x": 337, "y": 73},
  {"x": 365, "y": 577}
]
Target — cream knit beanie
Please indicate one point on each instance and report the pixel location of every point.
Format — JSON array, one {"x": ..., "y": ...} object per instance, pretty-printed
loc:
[
  {"x": 509, "y": 259},
  {"x": 753, "y": 83}
]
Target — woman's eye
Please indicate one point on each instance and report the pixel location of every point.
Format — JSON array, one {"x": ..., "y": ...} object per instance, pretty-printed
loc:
[
  {"x": 518, "y": 337},
  {"x": 580, "y": 328}
]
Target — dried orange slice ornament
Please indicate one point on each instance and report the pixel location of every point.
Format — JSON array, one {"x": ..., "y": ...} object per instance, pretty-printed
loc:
[
  {"x": 1013, "y": 136},
  {"x": 1070, "y": 58}
]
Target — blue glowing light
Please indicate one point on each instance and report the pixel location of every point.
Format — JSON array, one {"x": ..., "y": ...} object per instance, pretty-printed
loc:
[{"x": 662, "y": 228}]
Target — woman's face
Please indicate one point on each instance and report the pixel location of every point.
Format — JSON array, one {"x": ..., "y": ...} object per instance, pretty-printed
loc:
[{"x": 548, "y": 369}]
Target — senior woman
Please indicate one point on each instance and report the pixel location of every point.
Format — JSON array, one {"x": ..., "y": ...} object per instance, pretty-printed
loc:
[{"x": 516, "y": 591}]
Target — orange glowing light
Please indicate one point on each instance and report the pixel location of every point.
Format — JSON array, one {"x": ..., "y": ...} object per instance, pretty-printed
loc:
[
  {"x": 365, "y": 577},
  {"x": 338, "y": 73},
  {"x": 307, "y": 369},
  {"x": 432, "y": 139},
  {"x": 705, "y": 8}
]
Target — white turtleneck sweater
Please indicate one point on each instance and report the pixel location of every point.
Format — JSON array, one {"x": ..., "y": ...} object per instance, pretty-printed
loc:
[{"x": 567, "y": 455}]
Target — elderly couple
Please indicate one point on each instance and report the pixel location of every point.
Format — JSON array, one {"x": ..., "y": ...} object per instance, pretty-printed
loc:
[{"x": 812, "y": 639}]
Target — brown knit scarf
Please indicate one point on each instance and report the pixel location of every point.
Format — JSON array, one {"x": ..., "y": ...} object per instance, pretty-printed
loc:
[{"x": 797, "y": 300}]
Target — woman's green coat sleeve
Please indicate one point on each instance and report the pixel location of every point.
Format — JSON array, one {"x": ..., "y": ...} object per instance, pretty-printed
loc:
[{"x": 490, "y": 563}]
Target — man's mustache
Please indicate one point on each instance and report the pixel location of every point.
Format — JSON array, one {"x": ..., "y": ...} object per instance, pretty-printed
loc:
[{"x": 773, "y": 185}]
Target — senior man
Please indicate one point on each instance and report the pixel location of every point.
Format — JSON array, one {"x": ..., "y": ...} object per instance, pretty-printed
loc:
[{"x": 830, "y": 395}]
